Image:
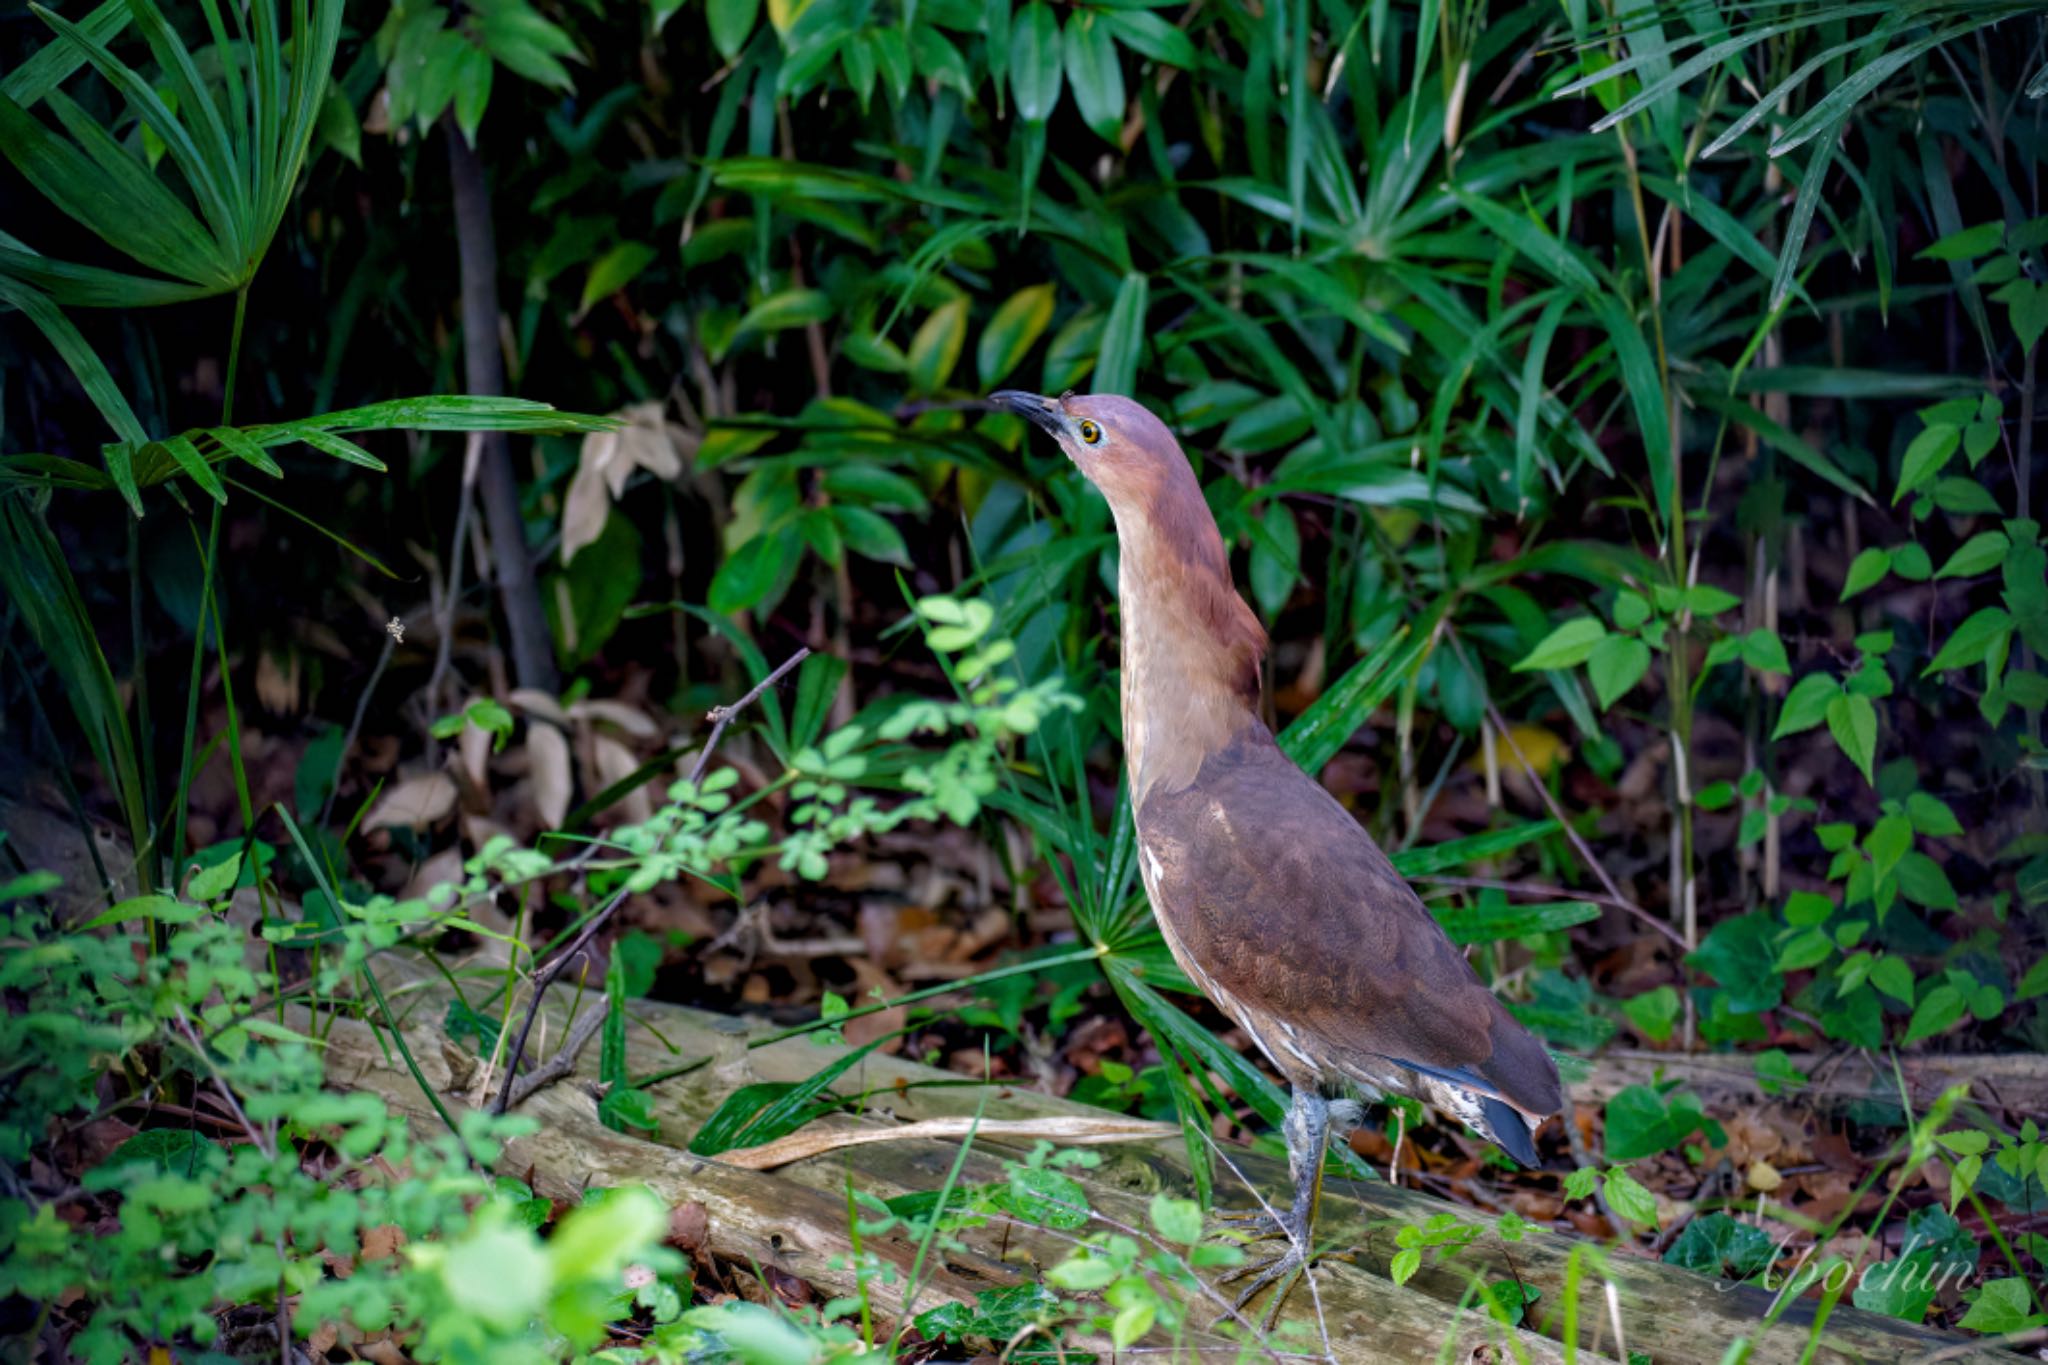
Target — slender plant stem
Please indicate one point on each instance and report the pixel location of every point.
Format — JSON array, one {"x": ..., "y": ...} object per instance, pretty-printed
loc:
[
  {"x": 227, "y": 390},
  {"x": 720, "y": 717}
]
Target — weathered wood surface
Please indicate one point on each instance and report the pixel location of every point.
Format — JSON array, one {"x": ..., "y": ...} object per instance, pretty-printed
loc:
[
  {"x": 2015, "y": 1082},
  {"x": 795, "y": 1219}
]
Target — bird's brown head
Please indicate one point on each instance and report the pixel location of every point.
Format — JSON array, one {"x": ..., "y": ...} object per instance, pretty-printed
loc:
[
  {"x": 1122, "y": 449},
  {"x": 1173, "y": 555}
]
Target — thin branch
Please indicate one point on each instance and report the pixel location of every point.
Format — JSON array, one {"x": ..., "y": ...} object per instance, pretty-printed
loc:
[
  {"x": 562, "y": 1063},
  {"x": 1578, "y": 840},
  {"x": 720, "y": 717},
  {"x": 355, "y": 726}
]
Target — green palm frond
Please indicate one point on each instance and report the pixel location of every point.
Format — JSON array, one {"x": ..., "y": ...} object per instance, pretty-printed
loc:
[{"x": 238, "y": 145}]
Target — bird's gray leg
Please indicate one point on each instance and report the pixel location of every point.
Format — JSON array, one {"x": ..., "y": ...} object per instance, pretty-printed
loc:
[{"x": 1307, "y": 1130}]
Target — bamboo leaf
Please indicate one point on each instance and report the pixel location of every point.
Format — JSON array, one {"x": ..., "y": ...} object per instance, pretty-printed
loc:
[{"x": 1123, "y": 337}]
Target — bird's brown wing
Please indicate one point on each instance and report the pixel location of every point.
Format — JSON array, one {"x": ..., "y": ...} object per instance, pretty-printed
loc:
[{"x": 1285, "y": 902}]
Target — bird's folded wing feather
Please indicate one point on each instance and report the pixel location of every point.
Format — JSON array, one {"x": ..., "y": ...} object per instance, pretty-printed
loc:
[{"x": 1287, "y": 903}]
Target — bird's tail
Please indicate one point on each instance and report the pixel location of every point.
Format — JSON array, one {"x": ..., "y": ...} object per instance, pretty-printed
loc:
[{"x": 1509, "y": 1130}]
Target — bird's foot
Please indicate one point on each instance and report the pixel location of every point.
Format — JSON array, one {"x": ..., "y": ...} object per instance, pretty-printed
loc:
[
  {"x": 1280, "y": 1269},
  {"x": 1252, "y": 1225},
  {"x": 1277, "y": 1272}
]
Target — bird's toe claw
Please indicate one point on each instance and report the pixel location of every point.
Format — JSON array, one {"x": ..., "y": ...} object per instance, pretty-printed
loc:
[
  {"x": 1280, "y": 1270},
  {"x": 1252, "y": 1225}
]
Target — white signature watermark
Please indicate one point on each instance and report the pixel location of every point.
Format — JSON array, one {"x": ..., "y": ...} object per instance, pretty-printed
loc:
[{"x": 1909, "y": 1273}]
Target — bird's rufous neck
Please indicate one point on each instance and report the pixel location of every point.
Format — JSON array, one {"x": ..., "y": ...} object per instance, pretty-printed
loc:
[{"x": 1191, "y": 647}]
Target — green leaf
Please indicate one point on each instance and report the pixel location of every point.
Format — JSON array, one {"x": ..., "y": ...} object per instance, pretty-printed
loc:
[
  {"x": 1981, "y": 553},
  {"x": 1894, "y": 977},
  {"x": 1313, "y": 738},
  {"x": 731, "y": 23},
  {"x": 1276, "y": 558},
  {"x": 1569, "y": 644},
  {"x": 1094, "y": 73},
  {"x": 1805, "y": 950},
  {"x": 1035, "y": 61},
  {"x": 613, "y": 271},
  {"x": 1763, "y": 651},
  {"x": 1123, "y": 338},
  {"x": 1961, "y": 497},
  {"x": 1889, "y": 839},
  {"x": 327, "y": 443},
  {"x": 1740, "y": 954},
  {"x": 1146, "y": 33},
  {"x": 1966, "y": 245},
  {"x": 1931, "y": 816},
  {"x": 1939, "y": 1009},
  {"x": 1923, "y": 882},
  {"x": 1177, "y": 1220},
  {"x": 528, "y": 44},
  {"x": 1924, "y": 457},
  {"x": 1973, "y": 640},
  {"x": 2028, "y": 303},
  {"x": 1866, "y": 570},
  {"x": 1473, "y": 848},
  {"x": 1046, "y": 1197},
  {"x": 2003, "y": 1306},
  {"x": 1654, "y": 1013},
  {"x": 748, "y": 574},
  {"x": 1616, "y": 664},
  {"x": 935, "y": 350},
  {"x": 210, "y": 884},
  {"x": 1627, "y": 1197},
  {"x": 1719, "y": 1244},
  {"x": 1490, "y": 920},
  {"x": 790, "y": 308},
  {"x": 1852, "y": 720},
  {"x": 1010, "y": 334},
  {"x": 162, "y": 909},
  {"x": 870, "y": 535},
  {"x": 767, "y": 1110},
  {"x": 1527, "y": 236}
]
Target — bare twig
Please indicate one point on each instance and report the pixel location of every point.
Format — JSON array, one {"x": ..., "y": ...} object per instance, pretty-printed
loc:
[
  {"x": 1578, "y": 841},
  {"x": 562, "y": 1063},
  {"x": 355, "y": 726},
  {"x": 720, "y": 717}
]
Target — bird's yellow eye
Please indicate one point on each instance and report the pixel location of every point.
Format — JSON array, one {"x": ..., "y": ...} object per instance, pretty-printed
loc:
[{"x": 1090, "y": 433}]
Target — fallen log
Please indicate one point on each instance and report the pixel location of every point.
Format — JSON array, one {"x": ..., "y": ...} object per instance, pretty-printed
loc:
[
  {"x": 796, "y": 1218},
  {"x": 2014, "y": 1082}
]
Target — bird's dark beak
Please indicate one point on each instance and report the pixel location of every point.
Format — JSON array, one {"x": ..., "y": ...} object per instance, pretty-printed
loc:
[{"x": 1043, "y": 413}]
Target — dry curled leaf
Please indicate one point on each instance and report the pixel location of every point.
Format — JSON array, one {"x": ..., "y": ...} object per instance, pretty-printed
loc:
[
  {"x": 645, "y": 441},
  {"x": 614, "y": 762},
  {"x": 417, "y": 801},
  {"x": 627, "y": 718},
  {"x": 1065, "y": 1129},
  {"x": 538, "y": 704},
  {"x": 547, "y": 757}
]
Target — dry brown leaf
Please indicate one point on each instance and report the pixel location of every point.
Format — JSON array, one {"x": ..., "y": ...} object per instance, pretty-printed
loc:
[
  {"x": 440, "y": 873},
  {"x": 590, "y": 500},
  {"x": 1063, "y": 1129},
  {"x": 537, "y": 703},
  {"x": 608, "y": 458},
  {"x": 614, "y": 763},
  {"x": 416, "y": 801},
  {"x": 633, "y": 722},
  {"x": 547, "y": 756},
  {"x": 277, "y": 683},
  {"x": 474, "y": 744}
]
